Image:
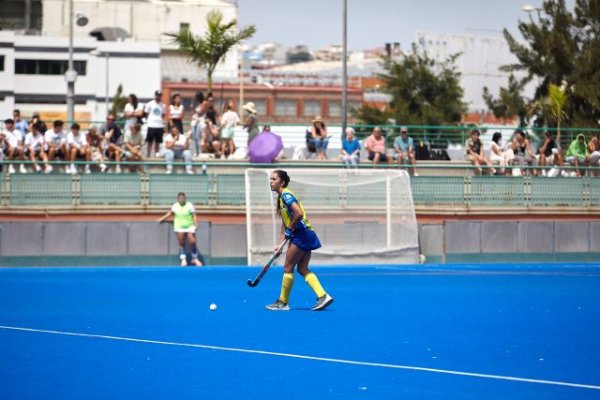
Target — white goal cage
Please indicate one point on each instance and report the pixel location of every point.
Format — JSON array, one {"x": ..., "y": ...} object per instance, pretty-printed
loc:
[{"x": 360, "y": 216}]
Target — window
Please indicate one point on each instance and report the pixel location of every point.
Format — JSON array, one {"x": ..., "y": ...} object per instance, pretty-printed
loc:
[
  {"x": 285, "y": 108},
  {"x": 1, "y": 63},
  {"x": 312, "y": 108},
  {"x": 47, "y": 67},
  {"x": 335, "y": 109}
]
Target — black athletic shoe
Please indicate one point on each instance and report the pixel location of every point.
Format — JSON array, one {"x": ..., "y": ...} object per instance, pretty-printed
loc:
[
  {"x": 323, "y": 302},
  {"x": 278, "y": 306}
]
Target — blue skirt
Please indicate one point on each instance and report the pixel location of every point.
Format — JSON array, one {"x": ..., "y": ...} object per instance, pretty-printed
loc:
[{"x": 306, "y": 239}]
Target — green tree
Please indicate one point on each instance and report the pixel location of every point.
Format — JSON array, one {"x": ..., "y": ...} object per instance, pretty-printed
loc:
[
  {"x": 424, "y": 92},
  {"x": 118, "y": 103},
  {"x": 552, "y": 107},
  {"x": 209, "y": 50},
  {"x": 562, "y": 46}
]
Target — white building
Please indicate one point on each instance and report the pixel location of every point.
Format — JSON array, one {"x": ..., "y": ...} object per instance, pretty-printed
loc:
[
  {"x": 145, "y": 20},
  {"x": 32, "y": 74},
  {"x": 480, "y": 62}
]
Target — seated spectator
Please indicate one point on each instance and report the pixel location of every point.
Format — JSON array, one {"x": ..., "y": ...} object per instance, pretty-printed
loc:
[
  {"x": 319, "y": 137},
  {"x": 34, "y": 147},
  {"x": 78, "y": 149},
  {"x": 376, "y": 147},
  {"x": 549, "y": 154},
  {"x": 404, "y": 150},
  {"x": 176, "y": 112},
  {"x": 36, "y": 120},
  {"x": 13, "y": 145},
  {"x": 132, "y": 149},
  {"x": 56, "y": 143},
  {"x": 578, "y": 155},
  {"x": 251, "y": 121},
  {"x": 522, "y": 152},
  {"x": 498, "y": 155},
  {"x": 210, "y": 139},
  {"x": 474, "y": 153},
  {"x": 177, "y": 146},
  {"x": 113, "y": 143},
  {"x": 229, "y": 121},
  {"x": 350, "y": 148},
  {"x": 97, "y": 146},
  {"x": 594, "y": 150}
]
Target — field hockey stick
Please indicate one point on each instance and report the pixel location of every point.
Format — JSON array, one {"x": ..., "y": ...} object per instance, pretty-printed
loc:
[{"x": 264, "y": 269}]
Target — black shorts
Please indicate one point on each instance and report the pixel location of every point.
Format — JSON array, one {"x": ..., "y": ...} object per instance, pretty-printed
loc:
[
  {"x": 154, "y": 135},
  {"x": 382, "y": 156}
]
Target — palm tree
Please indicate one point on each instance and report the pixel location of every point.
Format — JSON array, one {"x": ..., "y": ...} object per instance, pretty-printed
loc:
[
  {"x": 553, "y": 106},
  {"x": 207, "y": 51}
]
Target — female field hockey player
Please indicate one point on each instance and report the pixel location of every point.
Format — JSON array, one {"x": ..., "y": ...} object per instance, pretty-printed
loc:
[
  {"x": 302, "y": 240},
  {"x": 184, "y": 225}
]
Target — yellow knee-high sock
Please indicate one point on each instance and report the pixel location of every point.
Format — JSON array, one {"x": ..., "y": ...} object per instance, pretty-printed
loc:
[
  {"x": 314, "y": 284},
  {"x": 286, "y": 287}
]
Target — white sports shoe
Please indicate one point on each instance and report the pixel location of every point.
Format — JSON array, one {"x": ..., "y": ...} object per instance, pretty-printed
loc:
[
  {"x": 48, "y": 169},
  {"x": 22, "y": 169},
  {"x": 11, "y": 169},
  {"x": 118, "y": 169},
  {"x": 323, "y": 302},
  {"x": 87, "y": 169}
]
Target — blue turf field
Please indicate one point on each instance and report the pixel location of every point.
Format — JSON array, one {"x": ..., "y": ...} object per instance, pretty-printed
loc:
[{"x": 435, "y": 332}]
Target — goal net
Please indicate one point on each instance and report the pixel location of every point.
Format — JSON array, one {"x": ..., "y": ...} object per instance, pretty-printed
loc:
[{"x": 360, "y": 216}]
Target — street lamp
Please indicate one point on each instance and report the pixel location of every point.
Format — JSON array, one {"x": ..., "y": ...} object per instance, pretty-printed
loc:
[
  {"x": 344, "y": 71},
  {"x": 71, "y": 74},
  {"x": 528, "y": 8}
]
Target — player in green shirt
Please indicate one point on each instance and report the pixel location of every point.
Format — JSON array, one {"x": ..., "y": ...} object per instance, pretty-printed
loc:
[{"x": 184, "y": 225}]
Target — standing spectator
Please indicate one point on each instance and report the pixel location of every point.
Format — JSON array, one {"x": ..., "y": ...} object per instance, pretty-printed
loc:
[
  {"x": 113, "y": 143},
  {"x": 34, "y": 147},
  {"x": 13, "y": 145},
  {"x": 210, "y": 139},
  {"x": 522, "y": 152},
  {"x": 97, "y": 146},
  {"x": 177, "y": 146},
  {"x": 319, "y": 137},
  {"x": 578, "y": 155},
  {"x": 155, "y": 114},
  {"x": 350, "y": 148},
  {"x": 56, "y": 143},
  {"x": 78, "y": 149},
  {"x": 404, "y": 149},
  {"x": 498, "y": 155},
  {"x": 548, "y": 154},
  {"x": 133, "y": 112},
  {"x": 251, "y": 121},
  {"x": 211, "y": 113},
  {"x": 594, "y": 150},
  {"x": 133, "y": 145},
  {"x": 198, "y": 121},
  {"x": 20, "y": 124},
  {"x": 474, "y": 152},
  {"x": 36, "y": 120},
  {"x": 376, "y": 147},
  {"x": 229, "y": 121},
  {"x": 176, "y": 112}
]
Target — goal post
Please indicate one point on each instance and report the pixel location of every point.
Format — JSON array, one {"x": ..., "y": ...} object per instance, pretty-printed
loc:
[{"x": 361, "y": 216}]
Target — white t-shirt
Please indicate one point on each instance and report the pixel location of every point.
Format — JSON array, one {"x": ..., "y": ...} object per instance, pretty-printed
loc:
[
  {"x": 35, "y": 142},
  {"x": 78, "y": 141},
  {"x": 176, "y": 112},
  {"x": 52, "y": 137},
  {"x": 129, "y": 109},
  {"x": 13, "y": 138},
  {"x": 155, "y": 112},
  {"x": 136, "y": 140},
  {"x": 229, "y": 119},
  {"x": 178, "y": 144}
]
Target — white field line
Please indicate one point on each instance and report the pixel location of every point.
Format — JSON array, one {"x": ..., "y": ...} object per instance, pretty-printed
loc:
[{"x": 299, "y": 356}]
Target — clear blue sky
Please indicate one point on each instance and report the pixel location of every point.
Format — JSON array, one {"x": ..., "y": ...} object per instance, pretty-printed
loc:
[{"x": 371, "y": 23}]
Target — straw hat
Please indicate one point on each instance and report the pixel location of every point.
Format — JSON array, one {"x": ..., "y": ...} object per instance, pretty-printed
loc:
[
  {"x": 250, "y": 107},
  {"x": 317, "y": 119}
]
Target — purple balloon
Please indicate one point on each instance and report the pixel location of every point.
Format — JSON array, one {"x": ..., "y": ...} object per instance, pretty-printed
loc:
[{"x": 265, "y": 147}]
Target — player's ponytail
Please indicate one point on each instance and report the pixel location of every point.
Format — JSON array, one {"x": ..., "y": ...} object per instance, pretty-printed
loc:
[{"x": 286, "y": 180}]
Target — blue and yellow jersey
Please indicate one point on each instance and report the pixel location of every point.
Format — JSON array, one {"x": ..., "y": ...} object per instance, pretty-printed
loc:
[{"x": 286, "y": 200}]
